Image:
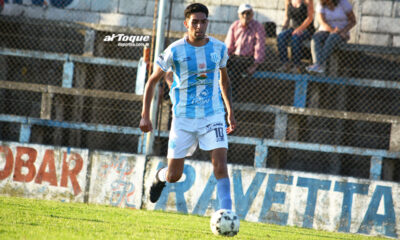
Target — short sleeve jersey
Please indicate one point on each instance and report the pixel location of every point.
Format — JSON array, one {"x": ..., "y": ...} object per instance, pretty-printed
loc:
[{"x": 195, "y": 91}]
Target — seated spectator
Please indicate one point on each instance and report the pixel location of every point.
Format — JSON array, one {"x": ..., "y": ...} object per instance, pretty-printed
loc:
[
  {"x": 297, "y": 27},
  {"x": 246, "y": 39},
  {"x": 336, "y": 18}
]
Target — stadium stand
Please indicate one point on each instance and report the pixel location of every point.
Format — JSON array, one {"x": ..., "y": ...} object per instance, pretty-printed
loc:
[{"x": 63, "y": 86}]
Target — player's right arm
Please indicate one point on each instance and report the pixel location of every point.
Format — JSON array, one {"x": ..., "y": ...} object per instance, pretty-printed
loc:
[{"x": 145, "y": 123}]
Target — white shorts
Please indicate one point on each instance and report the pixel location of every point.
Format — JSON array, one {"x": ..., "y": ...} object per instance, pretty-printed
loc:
[{"x": 186, "y": 133}]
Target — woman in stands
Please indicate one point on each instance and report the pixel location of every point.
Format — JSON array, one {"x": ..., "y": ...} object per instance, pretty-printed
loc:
[
  {"x": 336, "y": 18},
  {"x": 297, "y": 27}
]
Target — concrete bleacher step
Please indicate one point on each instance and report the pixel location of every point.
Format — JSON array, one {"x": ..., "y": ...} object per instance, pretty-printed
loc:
[
  {"x": 66, "y": 37},
  {"x": 76, "y": 86},
  {"x": 42, "y": 35}
]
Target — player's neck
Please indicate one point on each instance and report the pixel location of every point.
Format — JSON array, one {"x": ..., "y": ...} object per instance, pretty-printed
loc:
[{"x": 197, "y": 42}]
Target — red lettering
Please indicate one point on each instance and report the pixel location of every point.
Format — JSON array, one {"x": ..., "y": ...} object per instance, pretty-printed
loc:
[
  {"x": 19, "y": 163},
  {"x": 50, "y": 176},
  {"x": 72, "y": 173},
  {"x": 9, "y": 162}
]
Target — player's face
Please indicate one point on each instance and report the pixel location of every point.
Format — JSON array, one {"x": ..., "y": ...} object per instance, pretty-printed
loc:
[{"x": 196, "y": 25}]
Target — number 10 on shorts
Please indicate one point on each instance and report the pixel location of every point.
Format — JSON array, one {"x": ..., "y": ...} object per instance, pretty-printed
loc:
[{"x": 219, "y": 134}]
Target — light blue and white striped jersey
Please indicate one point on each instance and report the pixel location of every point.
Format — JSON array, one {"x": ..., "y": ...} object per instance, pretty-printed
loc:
[{"x": 195, "y": 91}]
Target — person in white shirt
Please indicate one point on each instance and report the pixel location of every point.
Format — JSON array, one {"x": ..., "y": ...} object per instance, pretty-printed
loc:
[{"x": 336, "y": 18}]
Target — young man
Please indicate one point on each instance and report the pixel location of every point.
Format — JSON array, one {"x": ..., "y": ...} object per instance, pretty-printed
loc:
[{"x": 200, "y": 77}]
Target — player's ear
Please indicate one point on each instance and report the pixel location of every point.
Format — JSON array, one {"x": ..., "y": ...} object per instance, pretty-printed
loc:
[{"x": 186, "y": 23}]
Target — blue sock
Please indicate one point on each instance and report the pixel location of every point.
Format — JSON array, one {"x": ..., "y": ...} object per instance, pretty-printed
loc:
[{"x": 224, "y": 193}]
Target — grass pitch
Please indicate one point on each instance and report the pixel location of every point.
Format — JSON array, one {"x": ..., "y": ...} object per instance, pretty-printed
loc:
[{"x": 22, "y": 218}]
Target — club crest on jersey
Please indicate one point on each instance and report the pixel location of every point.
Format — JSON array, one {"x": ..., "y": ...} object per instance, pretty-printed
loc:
[{"x": 215, "y": 58}]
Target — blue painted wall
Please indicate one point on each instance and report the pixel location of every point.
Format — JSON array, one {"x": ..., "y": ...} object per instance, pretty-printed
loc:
[{"x": 287, "y": 198}]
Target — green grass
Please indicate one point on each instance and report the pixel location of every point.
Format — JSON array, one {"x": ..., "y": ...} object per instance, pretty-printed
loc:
[{"x": 22, "y": 218}]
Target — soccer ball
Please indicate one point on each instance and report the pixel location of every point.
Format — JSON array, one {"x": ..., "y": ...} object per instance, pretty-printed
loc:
[{"x": 225, "y": 222}]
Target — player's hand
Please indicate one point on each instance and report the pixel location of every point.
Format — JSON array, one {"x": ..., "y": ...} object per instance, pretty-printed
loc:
[
  {"x": 232, "y": 124},
  {"x": 145, "y": 125}
]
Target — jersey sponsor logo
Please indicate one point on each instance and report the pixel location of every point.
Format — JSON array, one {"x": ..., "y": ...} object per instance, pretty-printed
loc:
[
  {"x": 201, "y": 82},
  {"x": 210, "y": 127},
  {"x": 202, "y": 98},
  {"x": 201, "y": 76},
  {"x": 184, "y": 59}
]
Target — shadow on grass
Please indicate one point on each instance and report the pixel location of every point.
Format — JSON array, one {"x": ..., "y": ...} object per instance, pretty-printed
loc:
[{"x": 81, "y": 219}]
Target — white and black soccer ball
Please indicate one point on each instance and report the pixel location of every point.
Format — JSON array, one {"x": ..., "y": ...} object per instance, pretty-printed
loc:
[{"x": 225, "y": 222}]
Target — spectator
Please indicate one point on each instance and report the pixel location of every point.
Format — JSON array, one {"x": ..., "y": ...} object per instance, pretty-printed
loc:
[
  {"x": 297, "y": 27},
  {"x": 336, "y": 18},
  {"x": 246, "y": 40},
  {"x": 1, "y": 5}
]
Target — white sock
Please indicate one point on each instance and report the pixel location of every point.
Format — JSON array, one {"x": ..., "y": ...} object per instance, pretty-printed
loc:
[{"x": 162, "y": 174}]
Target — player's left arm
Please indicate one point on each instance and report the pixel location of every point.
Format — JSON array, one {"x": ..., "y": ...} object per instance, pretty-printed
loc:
[{"x": 226, "y": 91}]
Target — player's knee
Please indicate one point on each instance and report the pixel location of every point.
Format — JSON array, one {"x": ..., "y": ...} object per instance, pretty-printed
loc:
[
  {"x": 173, "y": 177},
  {"x": 220, "y": 171}
]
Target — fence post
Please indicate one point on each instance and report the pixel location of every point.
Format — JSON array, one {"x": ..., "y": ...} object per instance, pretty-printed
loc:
[
  {"x": 25, "y": 133},
  {"x": 260, "y": 158},
  {"x": 300, "y": 93},
  {"x": 280, "y": 126},
  {"x": 158, "y": 49},
  {"x": 45, "y": 108},
  {"x": 68, "y": 74},
  {"x": 395, "y": 137},
  {"x": 376, "y": 168},
  {"x": 88, "y": 48}
]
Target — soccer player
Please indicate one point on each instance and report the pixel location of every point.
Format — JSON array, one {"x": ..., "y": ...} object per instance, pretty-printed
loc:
[{"x": 200, "y": 89}]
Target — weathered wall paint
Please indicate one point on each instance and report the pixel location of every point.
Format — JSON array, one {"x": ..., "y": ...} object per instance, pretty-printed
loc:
[
  {"x": 289, "y": 198},
  {"x": 116, "y": 179},
  {"x": 44, "y": 172},
  {"x": 301, "y": 199}
]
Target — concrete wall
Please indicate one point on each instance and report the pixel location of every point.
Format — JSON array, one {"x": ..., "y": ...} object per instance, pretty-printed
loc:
[
  {"x": 301, "y": 199},
  {"x": 37, "y": 171},
  {"x": 116, "y": 179},
  {"x": 286, "y": 198},
  {"x": 376, "y": 20}
]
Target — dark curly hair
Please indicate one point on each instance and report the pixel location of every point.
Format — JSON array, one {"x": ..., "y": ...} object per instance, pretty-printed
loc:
[
  {"x": 325, "y": 2},
  {"x": 195, "y": 8}
]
